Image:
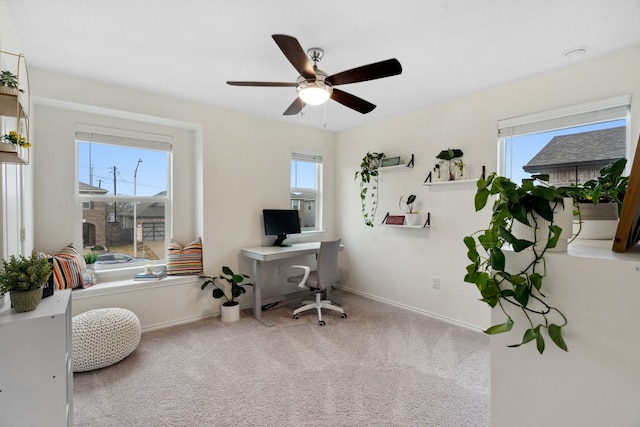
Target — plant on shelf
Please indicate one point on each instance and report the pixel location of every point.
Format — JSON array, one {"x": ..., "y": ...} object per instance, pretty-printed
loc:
[
  {"x": 14, "y": 138},
  {"x": 408, "y": 203},
  {"x": 10, "y": 80},
  {"x": 598, "y": 202},
  {"x": 517, "y": 289},
  {"x": 23, "y": 278},
  {"x": 609, "y": 187},
  {"x": 368, "y": 174},
  {"x": 90, "y": 258},
  {"x": 236, "y": 288},
  {"x": 447, "y": 156}
]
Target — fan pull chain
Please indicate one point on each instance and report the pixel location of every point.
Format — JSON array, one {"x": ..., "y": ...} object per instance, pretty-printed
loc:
[{"x": 325, "y": 115}]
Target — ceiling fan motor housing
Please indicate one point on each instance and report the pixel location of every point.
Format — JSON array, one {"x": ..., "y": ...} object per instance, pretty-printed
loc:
[{"x": 314, "y": 91}]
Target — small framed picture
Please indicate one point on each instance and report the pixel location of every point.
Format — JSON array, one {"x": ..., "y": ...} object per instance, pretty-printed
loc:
[
  {"x": 390, "y": 161},
  {"x": 395, "y": 220}
]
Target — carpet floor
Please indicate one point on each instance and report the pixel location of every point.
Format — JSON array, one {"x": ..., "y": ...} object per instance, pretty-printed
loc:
[{"x": 382, "y": 366}]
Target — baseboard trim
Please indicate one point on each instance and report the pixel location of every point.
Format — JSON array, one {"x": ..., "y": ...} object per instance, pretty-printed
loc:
[{"x": 414, "y": 309}]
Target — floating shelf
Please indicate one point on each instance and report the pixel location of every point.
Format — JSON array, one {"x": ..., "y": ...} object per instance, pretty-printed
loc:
[
  {"x": 10, "y": 153},
  {"x": 445, "y": 183},
  {"x": 426, "y": 224},
  {"x": 410, "y": 164}
]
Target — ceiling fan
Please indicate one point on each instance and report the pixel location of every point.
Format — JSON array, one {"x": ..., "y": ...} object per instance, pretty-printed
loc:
[{"x": 315, "y": 86}]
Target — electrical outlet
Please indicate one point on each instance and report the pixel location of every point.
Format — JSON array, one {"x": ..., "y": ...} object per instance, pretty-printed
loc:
[{"x": 435, "y": 282}]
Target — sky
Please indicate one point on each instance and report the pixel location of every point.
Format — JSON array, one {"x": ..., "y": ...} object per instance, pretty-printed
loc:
[
  {"x": 524, "y": 148},
  {"x": 101, "y": 159}
]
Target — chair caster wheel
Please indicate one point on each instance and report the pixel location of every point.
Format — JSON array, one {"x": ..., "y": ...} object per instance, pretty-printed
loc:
[
  {"x": 321, "y": 323},
  {"x": 344, "y": 315},
  {"x": 295, "y": 316}
]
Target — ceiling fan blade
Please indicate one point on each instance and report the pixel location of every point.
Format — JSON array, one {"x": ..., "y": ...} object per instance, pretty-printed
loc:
[
  {"x": 377, "y": 70},
  {"x": 352, "y": 101},
  {"x": 295, "y": 107},
  {"x": 295, "y": 54},
  {"x": 265, "y": 84}
]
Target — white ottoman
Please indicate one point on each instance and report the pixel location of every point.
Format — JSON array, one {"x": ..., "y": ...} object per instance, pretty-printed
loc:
[{"x": 103, "y": 337}]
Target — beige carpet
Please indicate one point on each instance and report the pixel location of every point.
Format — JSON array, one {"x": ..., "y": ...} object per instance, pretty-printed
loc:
[{"x": 382, "y": 366}]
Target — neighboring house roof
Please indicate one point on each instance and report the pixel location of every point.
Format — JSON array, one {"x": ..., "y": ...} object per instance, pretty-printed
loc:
[
  {"x": 87, "y": 189},
  {"x": 594, "y": 148}
]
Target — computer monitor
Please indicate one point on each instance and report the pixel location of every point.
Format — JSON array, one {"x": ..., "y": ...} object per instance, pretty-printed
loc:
[{"x": 280, "y": 222}]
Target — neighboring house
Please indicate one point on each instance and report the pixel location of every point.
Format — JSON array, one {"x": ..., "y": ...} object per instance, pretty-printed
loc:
[
  {"x": 305, "y": 203},
  {"x": 102, "y": 226},
  {"x": 94, "y": 216},
  {"x": 576, "y": 158}
]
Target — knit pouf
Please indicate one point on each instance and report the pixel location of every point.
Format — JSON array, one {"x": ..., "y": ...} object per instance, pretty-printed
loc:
[{"x": 103, "y": 337}]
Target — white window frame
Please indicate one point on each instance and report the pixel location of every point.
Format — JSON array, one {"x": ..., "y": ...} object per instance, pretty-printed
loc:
[
  {"x": 604, "y": 110},
  {"x": 127, "y": 138},
  {"x": 299, "y": 155}
]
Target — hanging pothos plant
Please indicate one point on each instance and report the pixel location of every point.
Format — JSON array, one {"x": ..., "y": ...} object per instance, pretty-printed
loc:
[
  {"x": 521, "y": 288},
  {"x": 368, "y": 174}
]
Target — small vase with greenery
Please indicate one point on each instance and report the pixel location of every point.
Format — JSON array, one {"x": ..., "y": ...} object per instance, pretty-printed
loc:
[
  {"x": 23, "y": 278},
  {"x": 449, "y": 155},
  {"x": 408, "y": 203},
  {"x": 518, "y": 289},
  {"x": 368, "y": 174},
  {"x": 90, "y": 258}
]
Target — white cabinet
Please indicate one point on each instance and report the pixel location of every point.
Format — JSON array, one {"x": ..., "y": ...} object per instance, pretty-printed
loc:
[{"x": 36, "y": 378}]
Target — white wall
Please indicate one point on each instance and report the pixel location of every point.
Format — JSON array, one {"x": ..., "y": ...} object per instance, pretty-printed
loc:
[
  {"x": 15, "y": 180},
  {"x": 398, "y": 264},
  {"x": 597, "y": 383},
  {"x": 228, "y": 167}
]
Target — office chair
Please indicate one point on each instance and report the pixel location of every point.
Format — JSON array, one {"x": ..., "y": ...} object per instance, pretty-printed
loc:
[{"x": 324, "y": 277}]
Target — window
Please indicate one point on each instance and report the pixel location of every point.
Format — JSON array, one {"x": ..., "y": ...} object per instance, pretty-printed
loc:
[
  {"x": 306, "y": 196},
  {"x": 123, "y": 183},
  {"x": 570, "y": 144}
]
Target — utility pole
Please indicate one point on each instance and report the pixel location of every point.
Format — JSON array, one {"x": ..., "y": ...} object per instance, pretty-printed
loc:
[
  {"x": 135, "y": 213},
  {"x": 115, "y": 204}
]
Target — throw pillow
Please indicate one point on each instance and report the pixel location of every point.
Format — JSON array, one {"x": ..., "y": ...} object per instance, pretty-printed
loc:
[
  {"x": 68, "y": 265},
  {"x": 185, "y": 259}
]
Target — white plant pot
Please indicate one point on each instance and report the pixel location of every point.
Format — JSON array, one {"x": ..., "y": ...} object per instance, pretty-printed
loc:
[
  {"x": 230, "y": 313},
  {"x": 563, "y": 218},
  {"x": 413, "y": 218},
  {"x": 599, "y": 221}
]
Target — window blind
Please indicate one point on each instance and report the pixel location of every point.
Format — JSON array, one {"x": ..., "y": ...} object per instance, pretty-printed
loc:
[
  {"x": 592, "y": 112},
  {"x": 311, "y": 158},
  {"x": 129, "y": 138}
]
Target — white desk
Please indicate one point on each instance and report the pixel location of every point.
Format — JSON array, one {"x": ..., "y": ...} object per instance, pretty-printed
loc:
[{"x": 262, "y": 254}]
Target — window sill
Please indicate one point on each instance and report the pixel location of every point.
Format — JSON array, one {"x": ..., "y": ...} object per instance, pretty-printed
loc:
[{"x": 130, "y": 285}]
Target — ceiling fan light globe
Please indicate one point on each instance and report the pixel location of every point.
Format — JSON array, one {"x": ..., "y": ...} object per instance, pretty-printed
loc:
[{"x": 314, "y": 92}]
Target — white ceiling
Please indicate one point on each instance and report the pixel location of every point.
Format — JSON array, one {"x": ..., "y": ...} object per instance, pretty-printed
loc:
[{"x": 188, "y": 49}]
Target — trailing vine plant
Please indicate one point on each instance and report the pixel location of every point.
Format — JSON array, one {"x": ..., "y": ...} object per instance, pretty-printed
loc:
[
  {"x": 368, "y": 174},
  {"x": 519, "y": 290}
]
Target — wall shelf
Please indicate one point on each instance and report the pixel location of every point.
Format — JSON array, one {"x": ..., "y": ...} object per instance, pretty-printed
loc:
[
  {"x": 410, "y": 164},
  {"x": 426, "y": 224},
  {"x": 449, "y": 183},
  {"x": 14, "y": 108},
  {"x": 429, "y": 179}
]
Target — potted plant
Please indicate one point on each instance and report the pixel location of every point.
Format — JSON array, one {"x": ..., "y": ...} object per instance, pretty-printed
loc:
[
  {"x": 447, "y": 156},
  {"x": 230, "y": 310},
  {"x": 23, "y": 278},
  {"x": 90, "y": 259},
  {"x": 16, "y": 139},
  {"x": 518, "y": 289},
  {"x": 9, "y": 83},
  {"x": 412, "y": 217},
  {"x": 368, "y": 174},
  {"x": 599, "y": 202}
]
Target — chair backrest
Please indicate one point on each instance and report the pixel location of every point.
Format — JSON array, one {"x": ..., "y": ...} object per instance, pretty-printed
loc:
[{"x": 328, "y": 271}]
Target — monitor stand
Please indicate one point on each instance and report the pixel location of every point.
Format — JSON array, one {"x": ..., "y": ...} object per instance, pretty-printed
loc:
[{"x": 280, "y": 241}]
